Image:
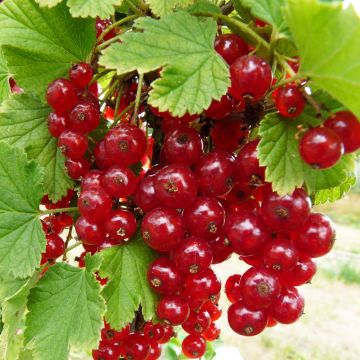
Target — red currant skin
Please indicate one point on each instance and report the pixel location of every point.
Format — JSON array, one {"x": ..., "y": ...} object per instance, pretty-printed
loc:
[
  {"x": 247, "y": 232},
  {"x": 164, "y": 277},
  {"x": 94, "y": 205},
  {"x": 120, "y": 225},
  {"x": 280, "y": 255},
  {"x": 168, "y": 334},
  {"x": 250, "y": 78},
  {"x": 253, "y": 260},
  {"x": 61, "y": 95},
  {"x": 104, "y": 353},
  {"x": 81, "y": 74},
  {"x": 126, "y": 144},
  {"x": 284, "y": 213},
  {"x": 154, "y": 332},
  {"x": 197, "y": 322},
  {"x": 232, "y": 288},
  {"x": 220, "y": 109},
  {"x": 212, "y": 333},
  {"x": 101, "y": 26},
  {"x": 162, "y": 229},
  {"x": 102, "y": 158},
  {"x": 119, "y": 182},
  {"x": 90, "y": 233},
  {"x": 85, "y": 117},
  {"x": 246, "y": 321},
  {"x": 206, "y": 283},
  {"x": 175, "y": 186},
  {"x": 301, "y": 274},
  {"x": 183, "y": 146},
  {"x": 321, "y": 147},
  {"x": 316, "y": 236},
  {"x": 144, "y": 195},
  {"x": 290, "y": 101},
  {"x": 194, "y": 346},
  {"x": 76, "y": 169},
  {"x": 55, "y": 247},
  {"x": 213, "y": 309},
  {"x": 173, "y": 309},
  {"x": 204, "y": 217},
  {"x": 56, "y": 124},
  {"x": 92, "y": 180},
  {"x": 136, "y": 347},
  {"x": 345, "y": 124},
  {"x": 248, "y": 170},
  {"x": 231, "y": 47},
  {"x": 215, "y": 171},
  {"x": 221, "y": 248},
  {"x": 288, "y": 307},
  {"x": 72, "y": 144},
  {"x": 193, "y": 255},
  {"x": 154, "y": 352}
]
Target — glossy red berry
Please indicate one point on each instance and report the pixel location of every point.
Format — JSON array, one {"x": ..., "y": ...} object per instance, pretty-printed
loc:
[
  {"x": 72, "y": 144},
  {"x": 212, "y": 333},
  {"x": 220, "y": 109},
  {"x": 55, "y": 247},
  {"x": 193, "y": 255},
  {"x": 321, "y": 147},
  {"x": 204, "y": 217},
  {"x": 284, "y": 213},
  {"x": 215, "y": 171},
  {"x": 247, "y": 232},
  {"x": 232, "y": 288},
  {"x": 61, "y": 95},
  {"x": 76, "y": 169},
  {"x": 254, "y": 260},
  {"x": 301, "y": 273},
  {"x": 194, "y": 346},
  {"x": 168, "y": 334},
  {"x": 85, "y": 117},
  {"x": 239, "y": 194},
  {"x": 175, "y": 186},
  {"x": 316, "y": 236},
  {"x": 213, "y": 310},
  {"x": 64, "y": 220},
  {"x": 144, "y": 195},
  {"x": 92, "y": 180},
  {"x": 136, "y": 347},
  {"x": 162, "y": 229},
  {"x": 347, "y": 127},
  {"x": 81, "y": 74},
  {"x": 246, "y": 321},
  {"x": 119, "y": 182},
  {"x": 102, "y": 158},
  {"x": 206, "y": 283},
  {"x": 154, "y": 332},
  {"x": 154, "y": 352},
  {"x": 183, "y": 146},
  {"x": 231, "y": 47},
  {"x": 101, "y": 26},
  {"x": 90, "y": 233},
  {"x": 250, "y": 77},
  {"x": 51, "y": 225},
  {"x": 221, "y": 248},
  {"x": 173, "y": 309},
  {"x": 164, "y": 277},
  {"x": 259, "y": 287},
  {"x": 57, "y": 124},
  {"x": 288, "y": 307},
  {"x": 104, "y": 353},
  {"x": 94, "y": 205},
  {"x": 120, "y": 225},
  {"x": 197, "y": 322},
  {"x": 289, "y": 101}
]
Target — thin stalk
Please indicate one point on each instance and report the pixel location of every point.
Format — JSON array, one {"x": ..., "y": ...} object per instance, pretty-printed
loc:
[
  {"x": 134, "y": 8},
  {"x": 142, "y": 5},
  {"x": 118, "y": 99},
  {"x": 99, "y": 76},
  {"x": 68, "y": 238},
  {"x": 108, "y": 42},
  {"x": 58, "y": 211},
  {"x": 130, "y": 106},
  {"x": 72, "y": 247},
  {"x": 138, "y": 97},
  {"x": 285, "y": 81},
  {"x": 110, "y": 91}
]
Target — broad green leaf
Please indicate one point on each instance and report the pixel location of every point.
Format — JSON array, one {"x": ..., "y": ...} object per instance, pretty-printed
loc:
[
  {"x": 48, "y": 3},
  {"x": 9, "y": 287},
  {"x": 328, "y": 39},
  {"x": 4, "y": 78},
  {"x": 164, "y": 7},
  {"x": 192, "y": 72},
  {"x": 203, "y": 6},
  {"x": 65, "y": 308},
  {"x": 21, "y": 237},
  {"x": 40, "y": 44},
  {"x": 23, "y": 122},
  {"x": 126, "y": 268}
]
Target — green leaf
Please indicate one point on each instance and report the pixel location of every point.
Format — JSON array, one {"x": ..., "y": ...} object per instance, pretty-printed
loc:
[
  {"x": 164, "y": 7},
  {"x": 192, "y": 72},
  {"x": 203, "y": 6},
  {"x": 40, "y": 44},
  {"x": 336, "y": 31},
  {"x": 23, "y": 122},
  {"x": 65, "y": 308},
  {"x": 127, "y": 288},
  {"x": 21, "y": 237},
  {"x": 4, "y": 78}
]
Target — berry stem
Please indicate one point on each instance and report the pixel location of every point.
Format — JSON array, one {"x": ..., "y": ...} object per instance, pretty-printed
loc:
[
  {"x": 134, "y": 8},
  {"x": 138, "y": 98},
  {"x": 120, "y": 90},
  {"x": 99, "y": 76},
  {"x": 68, "y": 238},
  {"x": 285, "y": 81},
  {"x": 116, "y": 120},
  {"x": 59, "y": 211},
  {"x": 72, "y": 247}
]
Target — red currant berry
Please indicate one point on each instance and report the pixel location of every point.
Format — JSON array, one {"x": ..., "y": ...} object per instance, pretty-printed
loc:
[
  {"x": 102, "y": 158},
  {"x": 316, "y": 236},
  {"x": 101, "y": 26},
  {"x": 119, "y": 182},
  {"x": 271, "y": 322},
  {"x": 301, "y": 274},
  {"x": 193, "y": 346},
  {"x": 72, "y": 144},
  {"x": 220, "y": 109},
  {"x": 231, "y": 47},
  {"x": 144, "y": 195},
  {"x": 154, "y": 332},
  {"x": 104, "y": 353},
  {"x": 193, "y": 255},
  {"x": 154, "y": 351},
  {"x": 212, "y": 333},
  {"x": 232, "y": 288},
  {"x": 173, "y": 309},
  {"x": 215, "y": 171},
  {"x": 55, "y": 247},
  {"x": 136, "y": 347},
  {"x": 197, "y": 322},
  {"x": 76, "y": 169},
  {"x": 175, "y": 186},
  {"x": 206, "y": 283},
  {"x": 347, "y": 127},
  {"x": 169, "y": 333},
  {"x": 162, "y": 229},
  {"x": 64, "y": 220},
  {"x": 253, "y": 260},
  {"x": 92, "y": 180},
  {"x": 61, "y": 95},
  {"x": 94, "y": 205},
  {"x": 85, "y": 117},
  {"x": 81, "y": 74},
  {"x": 213, "y": 309},
  {"x": 245, "y": 321},
  {"x": 221, "y": 248},
  {"x": 204, "y": 217},
  {"x": 57, "y": 124},
  {"x": 238, "y": 195},
  {"x": 183, "y": 146},
  {"x": 120, "y": 225},
  {"x": 288, "y": 307},
  {"x": 250, "y": 77},
  {"x": 164, "y": 277},
  {"x": 321, "y": 147},
  {"x": 90, "y": 233},
  {"x": 169, "y": 124},
  {"x": 51, "y": 225},
  {"x": 289, "y": 101}
]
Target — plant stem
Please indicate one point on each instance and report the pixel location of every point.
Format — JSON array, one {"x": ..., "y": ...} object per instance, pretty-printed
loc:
[
  {"x": 115, "y": 24},
  {"x": 118, "y": 99},
  {"x": 138, "y": 97},
  {"x": 110, "y": 91},
  {"x": 134, "y": 8},
  {"x": 58, "y": 211},
  {"x": 68, "y": 238},
  {"x": 72, "y": 247},
  {"x": 285, "y": 81},
  {"x": 108, "y": 42},
  {"x": 99, "y": 76},
  {"x": 130, "y": 106}
]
